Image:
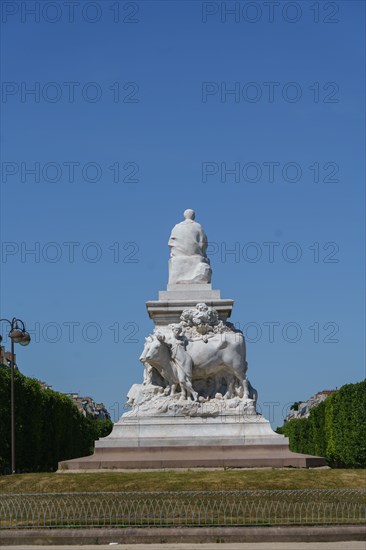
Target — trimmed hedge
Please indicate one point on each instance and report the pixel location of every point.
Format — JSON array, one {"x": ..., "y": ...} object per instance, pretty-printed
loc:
[
  {"x": 335, "y": 429},
  {"x": 48, "y": 426}
]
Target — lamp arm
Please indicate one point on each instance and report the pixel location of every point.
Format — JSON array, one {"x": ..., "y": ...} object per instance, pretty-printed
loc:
[{"x": 16, "y": 321}]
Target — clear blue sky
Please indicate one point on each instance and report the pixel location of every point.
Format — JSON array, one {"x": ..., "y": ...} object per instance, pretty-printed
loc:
[{"x": 143, "y": 91}]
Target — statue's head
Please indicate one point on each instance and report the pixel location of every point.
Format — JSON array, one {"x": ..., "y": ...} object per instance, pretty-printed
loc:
[
  {"x": 176, "y": 329},
  {"x": 189, "y": 214}
]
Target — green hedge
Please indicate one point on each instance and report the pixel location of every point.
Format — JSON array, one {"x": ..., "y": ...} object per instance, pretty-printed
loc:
[
  {"x": 48, "y": 427},
  {"x": 335, "y": 429}
]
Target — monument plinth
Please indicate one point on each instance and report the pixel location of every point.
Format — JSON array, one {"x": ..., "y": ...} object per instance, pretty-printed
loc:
[
  {"x": 195, "y": 406},
  {"x": 172, "y": 302}
]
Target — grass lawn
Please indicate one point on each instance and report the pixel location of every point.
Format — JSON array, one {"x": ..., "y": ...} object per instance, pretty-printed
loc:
[{"x": 189, "y": 480}]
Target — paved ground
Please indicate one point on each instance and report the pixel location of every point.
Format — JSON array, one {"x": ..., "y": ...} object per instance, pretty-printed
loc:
[{"x": 349, "y": 545}]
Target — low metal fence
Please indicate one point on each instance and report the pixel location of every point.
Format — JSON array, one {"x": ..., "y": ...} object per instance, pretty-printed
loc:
[{"x": 193, "y": 508}]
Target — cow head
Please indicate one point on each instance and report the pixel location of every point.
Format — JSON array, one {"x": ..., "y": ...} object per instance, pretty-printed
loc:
[
  {"x": 145, "y": 352},
  {"x": 152, "y": 349}
]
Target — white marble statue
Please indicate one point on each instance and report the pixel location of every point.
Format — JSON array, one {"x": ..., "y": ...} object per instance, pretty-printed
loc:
[
  {"x": 194, "y": 361},
  {"x": 200, "y": 348},
  {"x": 188, "y": 262},
  {"x": 195, "y": 392}
]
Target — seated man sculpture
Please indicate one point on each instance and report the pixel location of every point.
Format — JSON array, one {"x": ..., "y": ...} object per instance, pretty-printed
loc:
[{"x": 188, "y": 262}]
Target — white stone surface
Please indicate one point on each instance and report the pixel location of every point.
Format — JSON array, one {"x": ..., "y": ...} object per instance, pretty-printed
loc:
[
  {"x": 189, "y": 292},
  {"x": 173, "y": 431},
  {"x": 167, "y": 311},
  {"x": 202, "y": 348},
  {"x": 189, "y": 270},
  {"x": 202, "y": 287},
  {"x": 188, "y": 262},
  {"x": 148, "y": 399}
]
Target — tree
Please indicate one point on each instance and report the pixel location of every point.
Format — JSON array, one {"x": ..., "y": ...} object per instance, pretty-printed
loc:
[
  {"x": 335, "y": 429},
  {"x": 49, "y": 427}
]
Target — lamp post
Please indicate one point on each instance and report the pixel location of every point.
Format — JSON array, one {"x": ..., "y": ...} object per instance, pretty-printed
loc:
[{"x": 17, "y": 335}]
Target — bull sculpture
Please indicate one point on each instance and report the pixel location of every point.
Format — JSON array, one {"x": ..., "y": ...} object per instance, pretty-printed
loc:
[{"x": 179, "y": 360}]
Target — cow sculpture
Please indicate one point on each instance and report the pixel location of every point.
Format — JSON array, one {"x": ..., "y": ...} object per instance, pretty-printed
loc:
[
  {"x": 158, "y": 354},
  {"x": 181, "y": 361}
]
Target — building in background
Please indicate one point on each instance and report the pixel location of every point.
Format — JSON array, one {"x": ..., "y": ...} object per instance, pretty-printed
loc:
[
  {"x": 301, "y": 409},
  {"x": 88, "y": 407},
  {"x": 5, "y": 357}
]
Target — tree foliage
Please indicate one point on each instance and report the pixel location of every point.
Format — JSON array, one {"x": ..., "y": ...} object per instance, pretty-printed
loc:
[
  {"x": 48, "y": 426},
  {"x": 335, "y": 429}
]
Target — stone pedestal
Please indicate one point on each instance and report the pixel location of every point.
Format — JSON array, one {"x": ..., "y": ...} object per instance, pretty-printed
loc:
[
  {"x": 162, "y": 442},
  {"x": 215, "y": 456},
  {"x": 171, "y": 303},
  {"x": 177, "y": 442},
  {"x": 177, "y": 431}
]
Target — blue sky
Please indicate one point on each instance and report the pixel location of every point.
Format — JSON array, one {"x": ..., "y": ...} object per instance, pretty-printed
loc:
[{"x": 140, "y": 97}]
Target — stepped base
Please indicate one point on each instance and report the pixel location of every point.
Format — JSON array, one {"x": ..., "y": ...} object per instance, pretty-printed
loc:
[
  {"x": 226, "y": 429},
  {"x": 235, "y": 456},
  {"x": 224, "y": 441}
]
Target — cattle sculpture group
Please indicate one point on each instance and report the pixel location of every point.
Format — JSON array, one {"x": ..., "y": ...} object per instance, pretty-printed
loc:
[{"x": 200, "y": 356}]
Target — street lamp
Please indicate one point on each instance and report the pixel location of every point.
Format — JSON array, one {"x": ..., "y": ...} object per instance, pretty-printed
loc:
[{"x": 17, "y": 335}]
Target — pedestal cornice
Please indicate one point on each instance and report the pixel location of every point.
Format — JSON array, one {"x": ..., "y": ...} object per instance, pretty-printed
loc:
[{"x": 164, "y": 312}]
